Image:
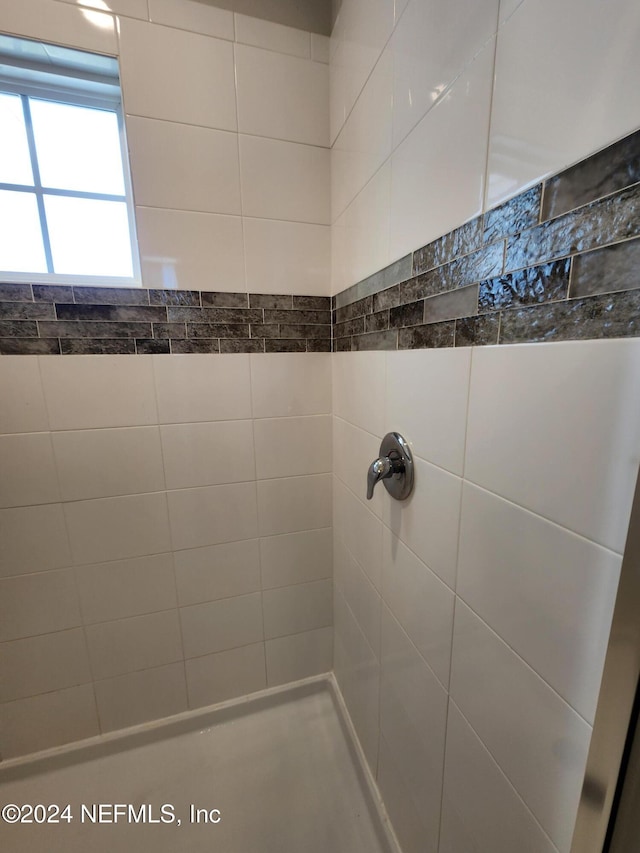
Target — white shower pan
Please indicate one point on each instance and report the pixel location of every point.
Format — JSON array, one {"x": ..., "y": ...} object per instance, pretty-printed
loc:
[{"x": 276, "y": 772}]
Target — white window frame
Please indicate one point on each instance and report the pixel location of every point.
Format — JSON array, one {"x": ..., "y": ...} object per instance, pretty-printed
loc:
[{"x": 66, "y": 95}]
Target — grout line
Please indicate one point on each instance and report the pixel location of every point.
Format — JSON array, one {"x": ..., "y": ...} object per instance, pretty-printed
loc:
[
  {"x": 231, "y": 131},
  {"x": 208, "y": 213},
  {"x": 490, "y": 122}
]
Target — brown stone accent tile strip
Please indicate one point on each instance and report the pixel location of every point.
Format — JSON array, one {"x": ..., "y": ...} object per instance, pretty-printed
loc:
[
  {"x": 426, "y": 337},
  {"x": 513, "y": 216},
  {"x": 606, "y": 270},
  {"x": 29, "y": 346},
  {"x": 477, "y": 331},
  {"x": 456, "y": 303},
  {"x": 608, "y": 171},
  {"x": 609, "y": 220},
  {"x": 459, "y": 242},
  {"x": 613, "y": 315},
  {"x": 546, "y": 283}
]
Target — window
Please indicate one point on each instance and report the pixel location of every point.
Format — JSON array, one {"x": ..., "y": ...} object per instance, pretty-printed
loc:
[{"x": 66, "y": 212}]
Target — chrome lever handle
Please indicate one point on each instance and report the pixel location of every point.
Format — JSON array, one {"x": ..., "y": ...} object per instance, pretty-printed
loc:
[{"x": 379, "y": 469}]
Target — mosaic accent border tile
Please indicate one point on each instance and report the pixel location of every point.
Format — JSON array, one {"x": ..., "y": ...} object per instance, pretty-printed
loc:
[
  {"x": 58, "y": 320},
  {"x": 560, "y": 261}
]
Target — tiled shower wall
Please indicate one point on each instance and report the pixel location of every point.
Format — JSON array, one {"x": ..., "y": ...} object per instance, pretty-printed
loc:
[
  {"x": 471, "y": 621},
  {"x": 475, "y": 615},
  {"x": 141, "y": 575},
  {"x": 165, "y": 536},
  {"x": 227, "y": 128},
  {"x": 423, "y": 140}
]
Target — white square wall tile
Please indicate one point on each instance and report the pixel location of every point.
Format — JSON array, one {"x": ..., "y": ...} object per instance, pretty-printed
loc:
[
  {"x": 129, "y": 8},
  {"x": 533, "y": 583},
  {"x": 21, "y": 552},
  {"x": 578, "y": 395},
  {"x": 43, "y": 664},
  {"x": 588, "y": 109},
  {"x": 20, "y": 383},
  {"x": 220, "y": 625},
  {"x": 61, "y": 24},
  {"x": 217, "y": 571},
  {"x": 48, "y": 720},
  {"x": 359, "y": 35},
  {"x": 299, "y": 656},
  {"x": 114, "y": 528},
  {"x": 107, "y": 462},
  {"x": 28, "y": 470},
  {"x": 353, "y": 452},
  {"x": 421, "y": 603},
  {"x": 287, "y": 257},
  {"x": 450, "y": 140},
  {"x": 195, "y": 388},
  {"x": 283, "y": 384},
  {"x": 123, "y": 588},
  {"x": 138, "y": 697},
  {"x": 413, "y": 715},
  {"x": 296, "y": 557},
  {"x": 225, "y": 675},
  {"x": 286, "y": 447},
  {"x": 294, "y": 503},
  {"x": 357, "y": 671},
  {"x": 426, "y": 401},
  {"x": 285, "y": 180},
  {"x": 89, "y": 391},
  {"x": 282, "y": 97},
  {"x": 183, "y": 167},
  {"x": 272, "y": 36},
  {"x": 358, "y": 386},
  {"x": 208, "y": 454},
  {"x": 293, "y": 609},
  {"x": 360, "y": 530},
  {"x": 407, "y": 820},
  {"x": 540, "y": 743},
  {"x": 359, "y": 593},
  {"x": 178, "y": 90},
  {"x": 364, "y": 143},
  {"x": 212, "y": 514},
  {"x": 190, "y": 251},
  {"x": 38, "y": 604},
  {"x": 480, "y": 808},
  {"x": 430, "y": 46},
  {"x": 140, "y": 642},
  {"x": 190, "y": 15},
  {"x": 429, "y": 520},
  {"x": 507, "y": 8},
  {"x": 360, "y": 236}
]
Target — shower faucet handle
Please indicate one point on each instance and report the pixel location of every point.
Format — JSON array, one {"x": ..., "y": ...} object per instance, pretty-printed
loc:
[
  {"x": 394, "y": 467},
  {"x": 379, "y": 469}
]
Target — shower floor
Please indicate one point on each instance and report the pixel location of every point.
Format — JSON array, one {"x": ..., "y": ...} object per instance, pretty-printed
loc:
[{"x": 281, "y": 774}]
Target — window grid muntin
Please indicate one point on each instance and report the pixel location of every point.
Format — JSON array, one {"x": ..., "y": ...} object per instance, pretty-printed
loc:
[{"x": 37, "y": 185}]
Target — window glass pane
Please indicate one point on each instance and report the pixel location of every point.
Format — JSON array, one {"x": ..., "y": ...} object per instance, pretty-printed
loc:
[
  {"x": 78, "y": 147},
  {"x": 88, "y": 236},
  {"x": 15, "y": 163},
  {"x": 21, "y": 248}
]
